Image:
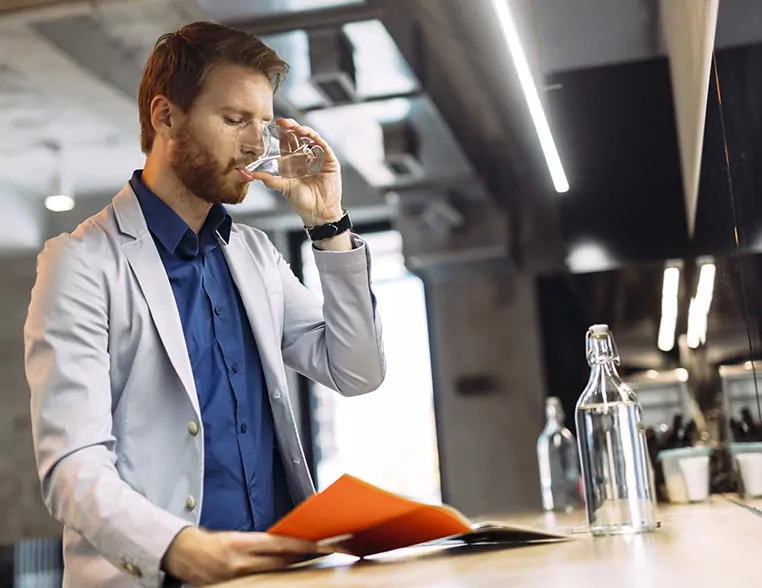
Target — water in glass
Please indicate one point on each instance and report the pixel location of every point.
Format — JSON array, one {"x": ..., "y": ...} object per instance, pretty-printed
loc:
[{"x": 279, "y": 152}]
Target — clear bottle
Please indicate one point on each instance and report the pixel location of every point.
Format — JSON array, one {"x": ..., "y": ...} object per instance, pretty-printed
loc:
[
  {"x": 616, "y": 471},
  {"x": 558, "y": 460}
]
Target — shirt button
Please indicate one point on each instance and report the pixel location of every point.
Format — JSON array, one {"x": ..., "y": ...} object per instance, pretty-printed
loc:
[
  {"x": 190, "y": 503},
  {"x": 235, "y": 368},
  {"x": 243, "y": 427},
  {"x": 217, "y": 310},
  {"x": 193, "y": 428}
]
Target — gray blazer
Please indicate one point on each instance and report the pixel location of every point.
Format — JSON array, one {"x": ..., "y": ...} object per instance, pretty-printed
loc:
[{"x": 117, "y": 429}]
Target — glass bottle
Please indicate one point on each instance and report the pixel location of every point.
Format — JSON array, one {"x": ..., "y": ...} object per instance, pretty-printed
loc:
[
  {"x": 616, "y": 471},
  {"x": 558, "y": 460}
]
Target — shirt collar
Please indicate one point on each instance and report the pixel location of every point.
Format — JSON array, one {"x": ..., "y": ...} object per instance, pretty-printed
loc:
[{"x": 171, "y": 230}]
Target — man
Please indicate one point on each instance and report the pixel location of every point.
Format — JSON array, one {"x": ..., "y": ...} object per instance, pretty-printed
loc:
[{"x": 159, "y": 331}]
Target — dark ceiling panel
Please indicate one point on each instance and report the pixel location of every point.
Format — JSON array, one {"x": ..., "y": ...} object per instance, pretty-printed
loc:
[{"x": 615, "y": 131}]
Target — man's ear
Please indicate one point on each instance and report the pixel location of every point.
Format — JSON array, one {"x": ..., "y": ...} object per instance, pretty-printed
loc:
[{"x": 164, "y": 117}]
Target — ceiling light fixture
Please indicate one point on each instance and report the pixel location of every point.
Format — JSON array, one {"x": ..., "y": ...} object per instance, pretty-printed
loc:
[
  {"x": 59, "y": 203},
  {"x": 61, "y": 184},
  {"x": 669, "y": 307},
  {"x": 699, "y": 308},
  {"x": 552, "y": 158}
]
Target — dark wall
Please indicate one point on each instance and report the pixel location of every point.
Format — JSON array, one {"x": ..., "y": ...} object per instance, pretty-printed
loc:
[{"x": 616, "y": 133}]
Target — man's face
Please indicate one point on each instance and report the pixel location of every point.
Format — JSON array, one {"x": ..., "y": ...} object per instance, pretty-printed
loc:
[{"x": 205, "y": 154}]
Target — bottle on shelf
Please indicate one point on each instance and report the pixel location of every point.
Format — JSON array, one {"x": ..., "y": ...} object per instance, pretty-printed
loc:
[
  {"x": 749, "y": 427},
  {"x": 558, "y": 460},
  {"x": 737, "y": 433},
  {"x": 617, "y": 473},
  {"x": 674, "y": 437}
]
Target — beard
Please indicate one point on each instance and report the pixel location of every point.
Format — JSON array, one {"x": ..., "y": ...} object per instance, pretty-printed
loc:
[{"x": 201, "y": 174}]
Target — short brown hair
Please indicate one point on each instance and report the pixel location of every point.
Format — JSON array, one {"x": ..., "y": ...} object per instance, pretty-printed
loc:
[{"x": 180, "y": 61}]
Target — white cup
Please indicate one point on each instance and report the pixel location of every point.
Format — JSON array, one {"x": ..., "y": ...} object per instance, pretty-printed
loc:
[
  {"x": 696, "y": 476},
  {"x": 750, "y": 465}
]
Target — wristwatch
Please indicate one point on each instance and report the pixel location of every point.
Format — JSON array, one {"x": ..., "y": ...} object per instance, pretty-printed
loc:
[{"x": 328, "y": 230}]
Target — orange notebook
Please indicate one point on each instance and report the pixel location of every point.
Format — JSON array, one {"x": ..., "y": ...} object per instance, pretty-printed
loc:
[{"x": 361, "y": 519}]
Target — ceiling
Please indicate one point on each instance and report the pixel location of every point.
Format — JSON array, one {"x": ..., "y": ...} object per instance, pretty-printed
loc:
[{"x": 434, "y": 102}]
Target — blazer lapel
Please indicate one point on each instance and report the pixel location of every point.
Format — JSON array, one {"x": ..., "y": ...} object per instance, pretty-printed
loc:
[
  {"x": 150, "y": 273},
  {"x": 251, "y": 287}
]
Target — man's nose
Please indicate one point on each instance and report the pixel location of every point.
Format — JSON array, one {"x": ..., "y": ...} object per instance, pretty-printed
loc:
[{"x": 250, "y": 141}]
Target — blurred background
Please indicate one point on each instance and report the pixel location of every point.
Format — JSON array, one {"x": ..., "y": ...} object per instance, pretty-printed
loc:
[{"x": 519, "y": 175}]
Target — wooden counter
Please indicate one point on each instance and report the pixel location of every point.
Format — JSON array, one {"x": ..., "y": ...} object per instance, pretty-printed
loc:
[{"x": 715, "y": 544}]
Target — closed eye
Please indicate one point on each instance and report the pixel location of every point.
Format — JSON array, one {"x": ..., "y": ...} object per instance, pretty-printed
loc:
[{"x": 233, "y": 121}]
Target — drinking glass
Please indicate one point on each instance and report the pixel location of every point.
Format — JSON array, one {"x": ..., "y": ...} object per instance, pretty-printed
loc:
[{"x": 279, "y": 152}]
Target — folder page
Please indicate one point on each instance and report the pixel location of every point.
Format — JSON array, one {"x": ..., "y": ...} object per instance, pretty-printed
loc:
[{"x": 363, "y": 520}]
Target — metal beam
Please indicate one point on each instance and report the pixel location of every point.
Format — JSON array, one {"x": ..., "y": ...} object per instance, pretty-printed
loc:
[
  {"x": 311, "y": 19},
  {"x": 366, "y": 99},
  {"x": 8, "y": 6},
  {"x": 89, "y": 45}
]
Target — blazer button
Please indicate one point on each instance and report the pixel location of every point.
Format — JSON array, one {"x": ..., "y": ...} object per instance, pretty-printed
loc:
[
  {"x": 193, "y": 428},
  {"x": 131, "y": 569},
  {"x": 190, "y": 503}
]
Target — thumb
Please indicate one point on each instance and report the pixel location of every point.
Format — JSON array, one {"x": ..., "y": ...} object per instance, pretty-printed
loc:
[{"x": 271, "y": 182}]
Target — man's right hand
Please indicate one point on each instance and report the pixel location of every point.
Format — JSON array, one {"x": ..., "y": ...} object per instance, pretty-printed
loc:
[{"x": 201, "y": 557}]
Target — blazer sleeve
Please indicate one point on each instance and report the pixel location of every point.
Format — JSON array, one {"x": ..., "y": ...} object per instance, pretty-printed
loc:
[
  {"x": 67, "y": 368},
  {"x": 338, "y": 344}
]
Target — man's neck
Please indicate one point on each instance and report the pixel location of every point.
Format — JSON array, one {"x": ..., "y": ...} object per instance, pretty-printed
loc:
[{"x": 166, "y": 186}]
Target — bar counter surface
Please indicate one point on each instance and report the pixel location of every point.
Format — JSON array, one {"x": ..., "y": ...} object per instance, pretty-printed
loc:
[{"x": 712, "y": 544}]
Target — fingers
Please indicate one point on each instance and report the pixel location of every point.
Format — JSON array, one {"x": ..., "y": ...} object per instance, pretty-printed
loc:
[
  {"x": 305, "y": 131},
  {"x": 270, "y": 181},
  {"x": 262, "y": 563},
  {"x": 227, "y": 555},
  {"x": 267, "y": 544}
]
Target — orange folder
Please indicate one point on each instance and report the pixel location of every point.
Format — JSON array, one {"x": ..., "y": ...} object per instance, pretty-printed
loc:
[{"x": 361, "y": 519}]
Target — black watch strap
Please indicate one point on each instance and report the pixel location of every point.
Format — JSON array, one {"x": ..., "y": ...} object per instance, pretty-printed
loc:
[{"x": 328, "y": 230}]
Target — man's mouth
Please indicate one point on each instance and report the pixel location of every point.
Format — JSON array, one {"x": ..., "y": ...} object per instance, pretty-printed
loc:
[{"x": 245, "y": 174}]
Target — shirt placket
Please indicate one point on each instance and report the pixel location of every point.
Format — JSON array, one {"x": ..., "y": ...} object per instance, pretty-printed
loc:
[{"x": 227, "y": 326}]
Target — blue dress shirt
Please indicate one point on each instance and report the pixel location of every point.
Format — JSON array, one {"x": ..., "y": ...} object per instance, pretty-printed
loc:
[{"x": 241, "y": 463}]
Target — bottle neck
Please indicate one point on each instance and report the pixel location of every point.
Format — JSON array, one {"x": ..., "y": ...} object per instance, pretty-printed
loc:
[
  {"x": 602, "y": 354},
  {"x": 601, "y": 350},
  {"x": 604, "y": 368},
  {"x": 606, "y": 384},
  {"x": 554, "y": 415}
]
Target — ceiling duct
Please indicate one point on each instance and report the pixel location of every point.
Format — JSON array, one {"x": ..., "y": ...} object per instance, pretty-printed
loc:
[
  {"x": 402, "y": 150},
  {"x": 332, "y": 65},
  {"x": 442, "y": 216},
  {"x": 448, "y": 233}
]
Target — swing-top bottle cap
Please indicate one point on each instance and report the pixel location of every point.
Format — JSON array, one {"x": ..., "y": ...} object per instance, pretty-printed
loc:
[{"x": 599, "y": 329}]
